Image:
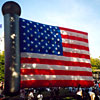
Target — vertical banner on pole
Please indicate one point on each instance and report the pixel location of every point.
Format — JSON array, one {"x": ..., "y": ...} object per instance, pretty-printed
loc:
[{"x": 11, "y": 11}]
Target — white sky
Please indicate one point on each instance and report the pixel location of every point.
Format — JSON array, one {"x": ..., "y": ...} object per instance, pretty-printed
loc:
[{"x": 83, "y": 15}]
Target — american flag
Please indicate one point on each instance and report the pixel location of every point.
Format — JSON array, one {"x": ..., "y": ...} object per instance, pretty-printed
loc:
[{"x": 53, "y": 56}]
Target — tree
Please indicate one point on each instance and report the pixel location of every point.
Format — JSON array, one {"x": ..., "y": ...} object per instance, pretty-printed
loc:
[
  {"x": 95, "y": 63},
  {"x": 2, "y": 66}
]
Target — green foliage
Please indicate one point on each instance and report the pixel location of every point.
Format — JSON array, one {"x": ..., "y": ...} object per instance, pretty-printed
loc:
[
  {"x": 2, "y": 66},
  {"x": 95, "y": 63}
]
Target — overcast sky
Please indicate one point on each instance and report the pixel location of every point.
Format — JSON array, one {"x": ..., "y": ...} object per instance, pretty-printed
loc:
[{"x": 83, "y": 15}]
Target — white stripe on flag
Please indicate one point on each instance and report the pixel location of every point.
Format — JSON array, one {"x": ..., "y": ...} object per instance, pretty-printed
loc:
[
  {"x": 69, "y": 41},
  {"x": 76, "y": 51},
  {"x": 54, "y": 57},
  {"x": 74, "y": 34},
  {"x": 55, "y": 77},
  {"x": 54, "y": 67}
]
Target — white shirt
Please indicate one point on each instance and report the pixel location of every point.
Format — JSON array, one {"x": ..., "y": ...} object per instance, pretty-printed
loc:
[
  {"x": 92, "y": 95},
  {"x": 40, "y": 96}
]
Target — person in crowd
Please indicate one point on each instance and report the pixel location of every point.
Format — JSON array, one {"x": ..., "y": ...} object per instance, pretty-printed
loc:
[
  {"x": 22, "y": 94},
  {"x": 79, "y": 93},
  {"x": 1, "y": 89},
  {"x": 92, "y": 94},
  {"x": 31, "y": 95},
  {"x": 96, "y": 87},
  {"x": 40, "y": 96},
  {"x": 87, "y": 95}
]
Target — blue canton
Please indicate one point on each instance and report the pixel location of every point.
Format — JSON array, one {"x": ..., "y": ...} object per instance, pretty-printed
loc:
[{"x": 40, "y": 38}]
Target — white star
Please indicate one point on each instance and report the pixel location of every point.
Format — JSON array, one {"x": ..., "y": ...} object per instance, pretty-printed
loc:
[
  {"x": 31, "y": 35},
  {"x": 47, "y": 28},
  {"x": 58, "y": 39},
  {"x": 54, "y": 30},
  {"x": 32, "y": 42},
  {"x": 42, "y": 40},
  {"x": 53, "y": 51},
  {"x": 24, "y": 26},
  {"x": 28, "y": 45},
  {"x": 39, "y": 43},
  {"x": 28, "y": 31},
  {"x": 35, "y": 32},
  {"x": 46, "y": 37},
  {"x": 34, "y": 25},
  {"x": 42, "y": 46},
  {"x": 24, "y": 48},
  {"x": 50, "y": 26},
  {"x": 52, "y": 38},
  {"x": 41, "y": 33},
  {"x": 45, "y": 31},
  {"x": 56, "y": 33},
  {"x": 46, "y": 44},
  {"x": 38, "y": 36},
  {"x": 36, "y": 46},
  {"x": 46, "y": 50},
  {"x": 31, "y": 29},
  {"x": 23, "y": 20},
  {"x": 24, "y": 33},
  {"x": 48, "y": 41},
  {"x": 58, "y": 45},
  {"x": 24, "y": 41},
  {"x": 28, "y": 38},
  {"x": 41, "y": 27},
  {"x": 56, "y": 48},
  {"x": 53, "y": 45},
  {"x": 49, "y": 47},
  {"x": 44, "y": 25},
  {"x": 35, "y": 39},
  {"x": 37, "y": 23},
  {"x": 58, "y": 52},
  {"x": 28, "y": 24},
  {"x": 55, "y": 27},
  {"x": 51, "y": 32}
]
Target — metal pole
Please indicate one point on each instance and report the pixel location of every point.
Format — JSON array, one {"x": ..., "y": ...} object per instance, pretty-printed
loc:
[{"x": 11, "y": 11}]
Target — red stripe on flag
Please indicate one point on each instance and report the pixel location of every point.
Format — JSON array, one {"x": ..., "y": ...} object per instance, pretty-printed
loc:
[
  {"x": 55, "y": 83},
  {"x": 54, "y": 72},
  {"x": 73, "y": 30},
  {"x": 54, "y": 62},
  {"x": 69, "y": 54},
  {"x": 74, "y": 46},
  {"x": 74, "y": 38}
]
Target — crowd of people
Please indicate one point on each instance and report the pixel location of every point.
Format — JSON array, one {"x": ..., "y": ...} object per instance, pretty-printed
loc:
[
  {"x": 29, "y": 94},
  {"x": 79, "y": 93},
  {"x": 91, "y": 93}
]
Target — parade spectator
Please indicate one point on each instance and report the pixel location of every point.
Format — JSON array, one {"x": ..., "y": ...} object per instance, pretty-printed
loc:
[
  {"x": 40, "y": 96},
  {"x": 1, "y": 89},
  {"x": 96, "y": 87},
  {"x": 79, "y": 93},
  {"x": 22, "y": 94},
  {"x": 30, "y": 95},
  {"x": 87, "y": 95},
  {"x": 92, "y": 95}
]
